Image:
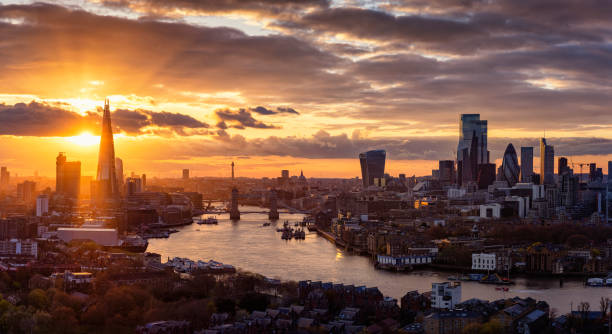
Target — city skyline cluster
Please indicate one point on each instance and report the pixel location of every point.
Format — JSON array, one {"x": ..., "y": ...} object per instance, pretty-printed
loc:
[{"x": 472, "y": 160}]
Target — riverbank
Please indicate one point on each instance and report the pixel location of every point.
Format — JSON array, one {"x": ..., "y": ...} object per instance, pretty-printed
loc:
[
  {"x": 462, "y": 269},
  {"x": 250, "y": 246}
]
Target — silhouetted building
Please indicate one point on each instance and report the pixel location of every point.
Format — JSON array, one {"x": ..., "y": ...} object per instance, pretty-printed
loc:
[
  {"x": 562, "y": 166},
  {"x": 119, "y": 171},
  {"x": 595, "y": 174},
  {"x": 547, "y": 163},
  {"x": 143, "y": 179},
  {"x": 568, "y": 188},
  {"x": 486, "y": 175},
  {"x": 185, "y": 174},
  {"x": 372, "y": 166},
  {"x": 447, "y": 171},
  {"x": 4, "y": 178},
  {"x": 106, "y": 180},
  {"x": 26, "y": 191},
  {"x": 510, "y": 166},
  {"x": 526, "y": 164},
  {"x": 67, "y": 177},
  {"x": 133, "y": 185}
]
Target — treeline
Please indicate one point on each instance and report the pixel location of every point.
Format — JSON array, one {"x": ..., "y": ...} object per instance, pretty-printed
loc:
[{"x": 120, "y": 309}]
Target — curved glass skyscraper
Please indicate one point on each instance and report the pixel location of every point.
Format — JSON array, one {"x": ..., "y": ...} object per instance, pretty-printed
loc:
[
  {"x": 510, "y": 166},
  {"x": 372, "y": 166}
]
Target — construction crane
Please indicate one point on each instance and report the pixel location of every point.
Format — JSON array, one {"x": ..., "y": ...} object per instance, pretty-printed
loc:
[{"x": 581, "y": 164}]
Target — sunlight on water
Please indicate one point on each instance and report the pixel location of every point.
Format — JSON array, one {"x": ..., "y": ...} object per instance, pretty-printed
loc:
[{"x": 250, "y": 246}]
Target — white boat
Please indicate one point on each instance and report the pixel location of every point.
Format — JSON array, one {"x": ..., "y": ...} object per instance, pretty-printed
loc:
[{"x": 595, "y": 281}]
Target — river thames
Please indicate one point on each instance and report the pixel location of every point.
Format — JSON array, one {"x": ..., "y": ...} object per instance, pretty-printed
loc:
[{"x": 250, "y": 246}]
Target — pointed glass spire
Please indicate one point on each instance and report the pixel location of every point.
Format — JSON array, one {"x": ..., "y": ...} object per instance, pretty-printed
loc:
[{"x": 106, "y": 176}]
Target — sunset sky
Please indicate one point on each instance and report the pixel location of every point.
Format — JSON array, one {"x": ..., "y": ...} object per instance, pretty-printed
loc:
[{"x": 300, "y": 84}]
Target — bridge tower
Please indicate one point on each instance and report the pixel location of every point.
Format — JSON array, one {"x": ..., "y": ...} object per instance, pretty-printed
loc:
[
  {"x": 273, "y": 215},
  {"x": 234, "y": 212}
]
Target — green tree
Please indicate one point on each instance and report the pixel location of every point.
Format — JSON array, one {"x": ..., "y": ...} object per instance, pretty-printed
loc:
[
  {"x": 64, "y": 320},
  {"x": 38, "y": 299}
]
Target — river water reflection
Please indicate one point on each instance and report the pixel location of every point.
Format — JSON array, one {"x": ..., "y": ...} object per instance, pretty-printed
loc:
[{"x": 250, "y": 246}]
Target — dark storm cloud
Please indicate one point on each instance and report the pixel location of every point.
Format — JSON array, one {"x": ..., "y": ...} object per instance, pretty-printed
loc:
[
  {"x": 372, "y": 24},
  {"x": 558, "y": 11},
  {"x": 280, "y": 110},
  {"x": 43, "y": 120},
  {"x": 240, "y": 119},
  {"x": 323, "y": 145},
  {"x": 134, "y": 122},
  {"x": 38, "y": 119},
  {"x": 168, "y": 119}
]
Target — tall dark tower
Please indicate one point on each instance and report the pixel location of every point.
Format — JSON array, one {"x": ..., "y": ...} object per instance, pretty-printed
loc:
[
  {"x": 232, "y": 171},
  {"x": 59, "y": 172},
  {"x": 106, "y": 176},
  {"x": 273, "y": 215},
  {"x": 234, "y": 212}
]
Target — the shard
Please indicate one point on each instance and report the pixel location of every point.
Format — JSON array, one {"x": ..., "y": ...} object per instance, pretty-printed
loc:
[{"x": 106, "y": 177}]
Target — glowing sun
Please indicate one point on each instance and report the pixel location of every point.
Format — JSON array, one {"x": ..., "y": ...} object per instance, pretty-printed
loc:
[{"x": 84, "y": 139}]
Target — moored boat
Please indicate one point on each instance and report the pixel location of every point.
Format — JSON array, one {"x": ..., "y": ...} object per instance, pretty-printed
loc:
[{"x": 208, "y": 221}]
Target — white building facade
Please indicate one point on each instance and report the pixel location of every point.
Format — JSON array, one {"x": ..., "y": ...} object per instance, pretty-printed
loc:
[
  {"x": 484, "y": 261},
  {"x": 445, "y": 295},
  {"x": 42, "y": 205}
]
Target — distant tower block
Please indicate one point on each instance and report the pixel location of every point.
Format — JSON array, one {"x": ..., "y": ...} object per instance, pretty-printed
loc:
[
  {"x": 234, "y": 212},
  {"x": 232, "y": 171},
  {"x": 273, "y": 215}
]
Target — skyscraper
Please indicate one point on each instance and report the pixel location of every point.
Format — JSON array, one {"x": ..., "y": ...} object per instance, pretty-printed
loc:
[
  {"x": 119, "y": 173},
  {"x": 486, "y": 175},
  {"x": 562, "y": 166},
  {"x": 372, "y": 166},
  {"x": 72, "y": 179},
  {"x": 26, "y": 191},
  {"x": 547, "y": 163},
  {"x": 67, "y": 177},
  {"x": 472, "y": 147},
  {"x": 185, "y": 174},
  {"x": 526, "y": 164},
  {"x": 4, "y": 178},
  {"x": 106, "y": 179},
  {"x": 59, "y": 172},
  {"x": 447, "y": 171},
  {"x": 510, "y": 166},
  {"x": 133, "y": 185}
]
